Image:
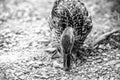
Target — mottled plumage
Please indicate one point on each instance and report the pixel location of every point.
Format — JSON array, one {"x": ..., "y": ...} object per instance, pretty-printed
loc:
[{"x": 70, "y": 13}]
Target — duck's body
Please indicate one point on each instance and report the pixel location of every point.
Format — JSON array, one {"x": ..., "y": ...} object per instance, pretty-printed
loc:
[{"x": 71, "y": 14}]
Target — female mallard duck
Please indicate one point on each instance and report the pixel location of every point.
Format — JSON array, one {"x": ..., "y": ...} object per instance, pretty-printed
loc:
[{"x": 70, "y": 23}]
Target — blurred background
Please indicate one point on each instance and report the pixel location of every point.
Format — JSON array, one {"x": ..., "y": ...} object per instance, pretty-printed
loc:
[{"x": 105, "y": 13}]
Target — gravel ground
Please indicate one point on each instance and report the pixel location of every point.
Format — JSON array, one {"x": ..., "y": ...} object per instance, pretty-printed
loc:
[{"x": 25, "y": 36}]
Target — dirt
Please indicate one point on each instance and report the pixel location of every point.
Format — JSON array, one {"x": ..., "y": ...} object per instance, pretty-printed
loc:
[{"x": 25, "y": 36}]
